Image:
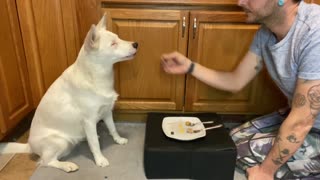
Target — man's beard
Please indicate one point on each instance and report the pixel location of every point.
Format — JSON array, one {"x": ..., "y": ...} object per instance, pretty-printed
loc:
[
  {"x": 253, "y": 19},
  {"x": 266, "y": 16},
  {"x": 259, "y": 19}
]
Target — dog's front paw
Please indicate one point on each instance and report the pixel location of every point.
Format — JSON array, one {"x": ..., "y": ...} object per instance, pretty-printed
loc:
[
  {"x": 121, "y": 140},
  {"x": 69, "y": 167},
  {"x": 101, "y": 161},
  {"x": 64, "y": 165}
]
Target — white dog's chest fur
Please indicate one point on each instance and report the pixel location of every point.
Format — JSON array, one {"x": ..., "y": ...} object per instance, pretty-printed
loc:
[
  {"x": 97, "y": 99},
  {"x": 72, "y": 100}
]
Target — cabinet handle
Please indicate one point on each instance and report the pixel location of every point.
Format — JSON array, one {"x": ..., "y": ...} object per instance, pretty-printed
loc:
[
  {"x": 194, "y": 27},
  {"x": 183, "y": 26}
]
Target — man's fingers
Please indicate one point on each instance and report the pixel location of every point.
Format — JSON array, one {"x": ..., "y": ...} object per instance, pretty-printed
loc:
[
  {"x": 167, "y": 56},
  {"x": 169, "y": 62},
  {"x": 173, "y": 55},
  {"x": 166, "y": 66}
]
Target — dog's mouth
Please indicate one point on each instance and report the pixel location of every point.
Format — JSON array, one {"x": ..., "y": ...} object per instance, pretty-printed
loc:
[{"x": 130, "y": 56}]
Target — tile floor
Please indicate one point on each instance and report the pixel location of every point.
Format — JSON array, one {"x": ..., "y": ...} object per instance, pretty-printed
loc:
[{"x": 22, "y": 166}]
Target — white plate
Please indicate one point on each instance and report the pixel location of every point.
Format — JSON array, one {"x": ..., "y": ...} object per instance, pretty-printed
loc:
[{"x": 176, "y": 128}]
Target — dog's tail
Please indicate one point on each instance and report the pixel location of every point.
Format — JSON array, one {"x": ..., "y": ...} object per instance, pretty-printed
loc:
[{"x": 7, "y": 148}]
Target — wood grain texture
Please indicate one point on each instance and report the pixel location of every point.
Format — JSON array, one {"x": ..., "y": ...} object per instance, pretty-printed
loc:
[
  {"x": 50, "y": 37},
  {"x": 182, "y": 2},
  {"x": 174, "y": 2},
  {"x": 316, "y": 1},
  {"x": 30, "y": 40},
  {"x": 3, "y": 126},
  {"x": 88, "y": 12},
  {"x": 221, "y": 40},
  {"x": 53, "y": 32},
  {"x": 71, "y": 29},
  {"x": 141, "y": 82},
  {"x": 44, "y": 42},
  {"x": 15, "y": 91}
]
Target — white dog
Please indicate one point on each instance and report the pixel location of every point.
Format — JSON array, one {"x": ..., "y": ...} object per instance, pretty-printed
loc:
[{"x": 76, "y": 101}]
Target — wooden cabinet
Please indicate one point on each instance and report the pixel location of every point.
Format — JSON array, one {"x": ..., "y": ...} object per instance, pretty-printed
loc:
[
  {"x": 216, "y": 39},
  {"x": 50, "y": 39},
  {"x": 315, "y": 1},
  {"x": 53, "y": 32},
  {"x": 15, "y": 99},
  {"x": 141, "y": 82},
  {"x": 219, "y": 40}
]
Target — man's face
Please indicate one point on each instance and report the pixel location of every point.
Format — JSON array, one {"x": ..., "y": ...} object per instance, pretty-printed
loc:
[{"x": 258, "y": 11}]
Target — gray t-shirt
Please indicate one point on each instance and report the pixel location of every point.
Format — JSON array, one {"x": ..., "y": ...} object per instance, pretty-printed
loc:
[{"x": 295, "y": 56}]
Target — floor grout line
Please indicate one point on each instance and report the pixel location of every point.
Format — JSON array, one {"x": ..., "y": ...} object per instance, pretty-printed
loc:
[{"x": 5, "y": 159}]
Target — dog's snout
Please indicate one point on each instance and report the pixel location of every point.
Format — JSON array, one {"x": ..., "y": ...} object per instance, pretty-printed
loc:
[{"x": 135, "y": 45}]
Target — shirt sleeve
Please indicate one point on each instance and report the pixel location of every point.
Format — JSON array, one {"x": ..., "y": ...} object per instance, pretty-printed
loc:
[
  {"x": 255, "y": 46},
  {"x": 309, "y": 59}
]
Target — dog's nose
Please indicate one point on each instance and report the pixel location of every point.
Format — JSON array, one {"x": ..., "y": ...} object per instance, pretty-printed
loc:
[{"x": 135, "y": 45}]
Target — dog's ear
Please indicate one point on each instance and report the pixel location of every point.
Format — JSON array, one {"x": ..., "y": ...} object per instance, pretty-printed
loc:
[
  {"x": 91, "y": 41},
  {"x": 103, "y": 22}
]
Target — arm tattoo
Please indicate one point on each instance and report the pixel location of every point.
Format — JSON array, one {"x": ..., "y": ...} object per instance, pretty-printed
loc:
[
  {"x": 282, "y": 153},
  {"x": 292, "y": 138},
  {"x": 314, "y": 98},
  {"x": 299, "y": 100},
  {"x": 276, "y": 161}
]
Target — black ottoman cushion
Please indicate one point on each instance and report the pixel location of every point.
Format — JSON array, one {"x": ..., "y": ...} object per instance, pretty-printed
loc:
[{"x": 210, "y": 157}]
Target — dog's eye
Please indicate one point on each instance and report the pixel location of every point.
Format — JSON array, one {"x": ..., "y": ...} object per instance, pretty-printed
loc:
[{"x": 113, "y": 43}]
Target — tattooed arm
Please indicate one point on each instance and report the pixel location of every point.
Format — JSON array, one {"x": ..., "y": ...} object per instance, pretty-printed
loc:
[{"x": 305, "y": 107}]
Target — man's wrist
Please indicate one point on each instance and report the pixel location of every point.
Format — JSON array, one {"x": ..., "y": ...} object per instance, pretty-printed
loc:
[
  {"x": 268, "y": 169},
  {"x": 191, "y": 68}
]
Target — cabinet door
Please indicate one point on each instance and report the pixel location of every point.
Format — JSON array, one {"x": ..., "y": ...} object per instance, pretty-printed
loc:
[
  {"x": 141, "y": 82},
  {"x": 51, "y": 39},
  {"x": 315, "y": 1},
  {"x": 15, "y": 101},
  {"x": 219, "y": 40}
]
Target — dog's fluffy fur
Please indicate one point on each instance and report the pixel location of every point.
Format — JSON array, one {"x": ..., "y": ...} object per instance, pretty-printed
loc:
[{"x": 76, "y": 101}]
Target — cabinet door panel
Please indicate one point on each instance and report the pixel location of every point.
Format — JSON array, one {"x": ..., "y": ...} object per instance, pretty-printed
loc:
[
  {"x": 141, "y": 82},
  {"x": 316, "y": 1},
  {"x": 220, "y": 42},
  {"x": 51, "y": 40},
  {"x": 14, "y": 89},
  {"x": 175, "y": 2}
]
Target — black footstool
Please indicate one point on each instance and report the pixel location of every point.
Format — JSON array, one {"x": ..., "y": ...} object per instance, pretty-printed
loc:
[{"x": 211, "y": 157}]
